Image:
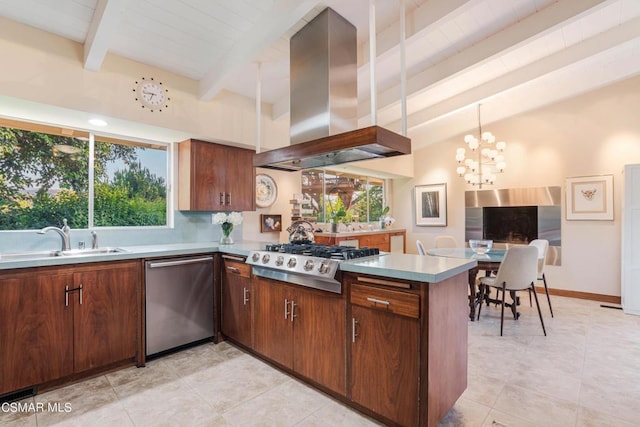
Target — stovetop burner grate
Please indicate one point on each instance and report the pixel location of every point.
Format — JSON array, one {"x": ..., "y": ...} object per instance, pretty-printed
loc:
[{"x": 323, "y": 251}]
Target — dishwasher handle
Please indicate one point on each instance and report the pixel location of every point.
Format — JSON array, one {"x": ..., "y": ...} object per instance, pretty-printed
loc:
[{"x": 158, "y": 264}]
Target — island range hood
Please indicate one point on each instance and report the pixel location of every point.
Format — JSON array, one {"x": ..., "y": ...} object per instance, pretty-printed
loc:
[{"x": 324, "y": 103}]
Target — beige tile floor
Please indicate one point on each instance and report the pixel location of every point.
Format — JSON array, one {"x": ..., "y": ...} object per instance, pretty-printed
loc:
[{"x": 586, "y": 372}]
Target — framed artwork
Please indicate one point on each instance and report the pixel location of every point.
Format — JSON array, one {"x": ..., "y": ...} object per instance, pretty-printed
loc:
[
  {"x": 590, "y": 198},
  {"x": 266, "y": 191},
  {"x": 270, "y": 222},
  {"x": 431, "y": 205}
]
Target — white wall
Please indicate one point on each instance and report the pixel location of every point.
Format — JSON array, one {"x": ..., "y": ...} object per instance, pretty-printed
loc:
[
  {"x": 48, "y": 69},
  {"x": 593, "y": 134}
]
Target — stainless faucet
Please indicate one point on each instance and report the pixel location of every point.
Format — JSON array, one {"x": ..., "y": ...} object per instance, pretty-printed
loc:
[
  {"x": 63, "y": 232},
  {"x": 94, "y": 240}
]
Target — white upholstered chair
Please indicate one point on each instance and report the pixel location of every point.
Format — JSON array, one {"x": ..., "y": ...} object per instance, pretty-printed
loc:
[
  {"x": 543, "y": 246},
  {"x": 446, "y": 242},
  {"x": 420, "y": 246},
  {"x": 518, "y": 272}
]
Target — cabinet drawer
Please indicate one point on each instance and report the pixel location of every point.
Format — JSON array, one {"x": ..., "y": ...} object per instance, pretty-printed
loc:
[
  {"x": 237, "y": 267},
  {"x": 373, "y": 240},
  {"x": 402, "y": 303}
]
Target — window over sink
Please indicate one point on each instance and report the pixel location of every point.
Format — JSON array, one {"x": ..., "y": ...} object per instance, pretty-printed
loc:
[{"x": 48, "y": 173}]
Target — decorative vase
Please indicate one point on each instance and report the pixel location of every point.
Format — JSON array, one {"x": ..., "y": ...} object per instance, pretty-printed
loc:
[
  {"x": 227, "y": 228},
  {"x": 334, "y": 227},
  {"x": 382, "y": 224}
]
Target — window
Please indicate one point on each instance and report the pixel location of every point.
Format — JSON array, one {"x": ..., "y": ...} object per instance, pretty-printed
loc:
[
  {"x": 343, "y": 197},
  {"x": 45, "y": 175}
]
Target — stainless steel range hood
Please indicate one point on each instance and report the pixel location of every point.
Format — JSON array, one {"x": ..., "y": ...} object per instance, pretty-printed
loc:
[{"x": 324, "y": 103}]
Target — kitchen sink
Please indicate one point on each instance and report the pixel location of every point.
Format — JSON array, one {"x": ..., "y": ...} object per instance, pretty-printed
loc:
[
  {"x": 22, "y": 256},
  {"x": 26, "y": 256},
  {"x": 85, "y": 252}
]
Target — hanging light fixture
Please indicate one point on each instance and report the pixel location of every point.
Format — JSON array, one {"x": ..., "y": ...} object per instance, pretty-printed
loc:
[{"x": 490, "y": 159}]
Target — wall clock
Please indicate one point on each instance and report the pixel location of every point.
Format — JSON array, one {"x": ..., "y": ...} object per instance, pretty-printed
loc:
[
  {"x": 266, "y": 191},
  {"x": 151, "y": 94}
]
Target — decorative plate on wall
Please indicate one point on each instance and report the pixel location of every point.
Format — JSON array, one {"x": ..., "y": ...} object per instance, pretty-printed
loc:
[{"x": 266, "y": 191}]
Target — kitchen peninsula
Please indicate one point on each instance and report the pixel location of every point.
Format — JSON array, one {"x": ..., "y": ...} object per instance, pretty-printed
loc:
[
  {"x": 387, "y": 240},
  {"x": 402, "y": 317}
]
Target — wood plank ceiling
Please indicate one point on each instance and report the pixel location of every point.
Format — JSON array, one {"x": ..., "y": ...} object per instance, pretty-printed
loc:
[{"x": 511, "y": 55}]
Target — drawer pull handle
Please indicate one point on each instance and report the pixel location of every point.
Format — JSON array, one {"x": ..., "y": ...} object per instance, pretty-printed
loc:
[
  {"x": 378, "y": 301},
  {"x": 234, "y": 270},
  {"x": 286, "y": 308},
  {"x": 245, "y": 296}
]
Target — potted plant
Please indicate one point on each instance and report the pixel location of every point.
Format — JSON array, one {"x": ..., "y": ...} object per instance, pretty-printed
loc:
[{"x": 337, "y": 216}]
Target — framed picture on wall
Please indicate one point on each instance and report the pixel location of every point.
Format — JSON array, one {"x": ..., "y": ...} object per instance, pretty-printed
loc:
[
  {"x": 431, "y": 205},
  {"x": 270, "y": 222},
  {"x": 590, "y": 198}
]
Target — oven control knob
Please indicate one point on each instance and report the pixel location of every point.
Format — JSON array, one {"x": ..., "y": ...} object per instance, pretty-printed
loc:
[
  {"x": 308, "y": 265},
  {"x": 255, "y": 257},
  {"x": 292, "y": 262},
  {"x": 324, "y": 267},
  {"x": 265, "y": 258},
  {"x": 279, "y": 260}
]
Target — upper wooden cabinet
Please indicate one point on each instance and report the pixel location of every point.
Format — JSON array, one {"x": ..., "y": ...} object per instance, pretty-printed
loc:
[{"x": 214, "y": 177}]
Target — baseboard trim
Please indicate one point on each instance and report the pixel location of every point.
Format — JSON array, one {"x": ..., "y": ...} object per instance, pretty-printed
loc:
[{"x": 581, "y": 295}]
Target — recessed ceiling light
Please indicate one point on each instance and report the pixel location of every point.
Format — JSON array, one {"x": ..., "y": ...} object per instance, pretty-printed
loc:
[{"x": 97, "y": 122}]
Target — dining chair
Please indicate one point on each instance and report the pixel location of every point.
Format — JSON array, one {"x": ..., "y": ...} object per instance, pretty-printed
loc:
[
  {"x": 517, "y": 272},
  {"x": 543, "y": 246},
  {"x": 421, "y": 249},
  {"x": 446, "y": 242}
]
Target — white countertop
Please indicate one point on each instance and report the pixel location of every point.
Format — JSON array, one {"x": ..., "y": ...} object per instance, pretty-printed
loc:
[
  {"x": 392, "y": 265},
  {"x": 409, "y": 267}
]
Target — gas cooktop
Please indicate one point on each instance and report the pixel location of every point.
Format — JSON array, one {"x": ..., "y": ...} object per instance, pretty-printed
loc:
[
  {"x": 308, "y": 264},
  {"x": 323, "y": 251}
]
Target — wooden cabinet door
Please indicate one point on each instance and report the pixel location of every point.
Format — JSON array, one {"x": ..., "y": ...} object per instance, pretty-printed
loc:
[
  {"x": 214, "y": 177},
  {"x": 105, "y": 315},
  {"x": 208, "y": 176},
  {"x": 385, "y": 364},
  {"x": 319, "y": 338},
  {"x": 240, "y": 180},
  {"x": 35, "y": 329},
  {"x": 237, "y": 302},
  {"x": 378, "y": 240},
  {"x": 273, "y": 325}
]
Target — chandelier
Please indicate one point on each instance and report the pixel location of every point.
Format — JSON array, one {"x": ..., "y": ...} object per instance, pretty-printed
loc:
[{"x": 481, "y": 168}]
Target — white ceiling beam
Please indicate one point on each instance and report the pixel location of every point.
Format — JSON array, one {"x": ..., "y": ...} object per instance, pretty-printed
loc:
[
  {"x": 278, "y": 20},
  {"x": 592, "y": 46},
  {"x": 504, "y": 41},
  {"x": 419, "y": 21},
  {"x": 104, "y": 24}
]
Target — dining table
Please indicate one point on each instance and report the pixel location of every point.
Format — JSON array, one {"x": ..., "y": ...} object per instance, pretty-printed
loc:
[{"x": 488, "y": 262}]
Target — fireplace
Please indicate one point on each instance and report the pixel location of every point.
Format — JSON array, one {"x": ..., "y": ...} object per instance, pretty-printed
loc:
[
  {"x": 515, "y": 216},
  {"x": 512, "y": 224}
]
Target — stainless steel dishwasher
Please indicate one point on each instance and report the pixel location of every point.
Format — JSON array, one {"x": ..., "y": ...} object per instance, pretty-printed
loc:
[{"x": 179, "y": 302}]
